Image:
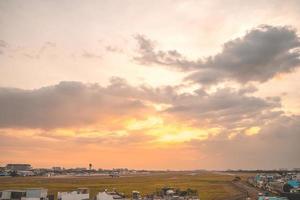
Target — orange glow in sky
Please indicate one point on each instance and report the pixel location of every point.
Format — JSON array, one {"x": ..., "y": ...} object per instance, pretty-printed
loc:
[{"x": 161, "y": 84}]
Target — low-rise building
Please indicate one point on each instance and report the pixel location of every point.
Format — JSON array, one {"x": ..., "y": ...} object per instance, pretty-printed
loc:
[
  {"x": 79, "y": 194},
  {"x": 28, "y": 194},
  {"x": 18, "y": 167},
  {"x": 12, "y": 194},
  {"x": 36, "y": 193},
  {"x": 57, "y": 169},
  {"x": 25, "y": 173},
  {"x": 110, "y": 196},
  {"x": 168, "y": 193}
]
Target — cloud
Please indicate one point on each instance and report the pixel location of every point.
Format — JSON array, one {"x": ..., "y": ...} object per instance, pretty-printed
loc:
[
  {"x": 87, "y": 54},
  {"x": 261, "y": 54},
  {"x": 114, "y": 49},
  {"x": 276, "y": 146},
  {"x": 3, "y": 44},
  {"x": 148, "y": 56},
  {"x": 227, "y": 109},
  {"x": 38, "y": 53},
  {"x": 69, "y": 104},
  {"x": 63, "y": 105}
]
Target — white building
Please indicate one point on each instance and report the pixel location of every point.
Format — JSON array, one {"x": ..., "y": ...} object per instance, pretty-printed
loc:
[
  {"x": 80, "y": 194},
  {"x": 12, "y": 194},
  {"x": 25, "y": 173},
  {"x": 28, "y": 194},
  {"x": 35, "y": 194},
  {"x": 109, "y": 196}
]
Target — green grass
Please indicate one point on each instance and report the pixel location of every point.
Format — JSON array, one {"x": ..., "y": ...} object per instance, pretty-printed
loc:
[{"x": 210, "y": 186}]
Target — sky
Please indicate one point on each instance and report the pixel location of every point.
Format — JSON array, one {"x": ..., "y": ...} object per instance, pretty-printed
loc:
[{"x": 161, "y": 84}]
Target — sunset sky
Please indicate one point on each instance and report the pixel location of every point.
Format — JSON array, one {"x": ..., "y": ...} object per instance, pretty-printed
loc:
[{"x": 156, "y": 84}]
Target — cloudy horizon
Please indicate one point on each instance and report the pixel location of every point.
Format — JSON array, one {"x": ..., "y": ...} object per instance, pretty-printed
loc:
[{"x": 150, "y": 85}]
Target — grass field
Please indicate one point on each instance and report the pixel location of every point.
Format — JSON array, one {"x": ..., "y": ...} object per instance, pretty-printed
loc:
[{"x": 210, "y": 186}]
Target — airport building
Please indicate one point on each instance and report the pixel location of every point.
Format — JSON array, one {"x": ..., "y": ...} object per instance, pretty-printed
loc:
[{"x": 18, "y": 167}]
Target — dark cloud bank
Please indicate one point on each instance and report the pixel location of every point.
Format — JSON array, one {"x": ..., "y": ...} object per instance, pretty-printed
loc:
[
  {"x": 70, "y": 103},
  {"x": 62, "y": 105},
  {"x": 231, "y": 110},
  {"x": 261, "y": 54}
]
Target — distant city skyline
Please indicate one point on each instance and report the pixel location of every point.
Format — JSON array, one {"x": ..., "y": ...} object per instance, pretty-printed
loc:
[
  {"x": 162, "y": 84},
  {"x": 29, "y": 167}
]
